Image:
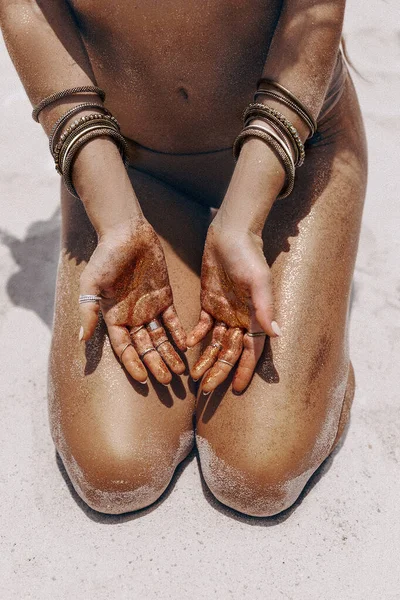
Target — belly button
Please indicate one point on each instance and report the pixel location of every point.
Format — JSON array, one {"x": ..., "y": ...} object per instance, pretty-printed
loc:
[{"x": 182, "y": 92}]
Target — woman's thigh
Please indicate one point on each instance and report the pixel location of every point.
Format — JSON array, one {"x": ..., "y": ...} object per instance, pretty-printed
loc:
[
  {"x": 121, "y": 441},
  {"x": 259, "y": 448}
]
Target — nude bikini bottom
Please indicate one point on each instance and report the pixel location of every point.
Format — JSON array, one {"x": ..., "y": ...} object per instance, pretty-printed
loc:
[{"x": 206, "y": 175}]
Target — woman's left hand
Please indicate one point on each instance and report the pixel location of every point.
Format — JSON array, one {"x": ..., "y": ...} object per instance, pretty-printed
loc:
[{"x": 236, "y": 298}]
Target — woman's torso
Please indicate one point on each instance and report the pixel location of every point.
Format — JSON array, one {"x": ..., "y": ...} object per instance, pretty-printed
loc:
[{"x": 178, "y": 74}]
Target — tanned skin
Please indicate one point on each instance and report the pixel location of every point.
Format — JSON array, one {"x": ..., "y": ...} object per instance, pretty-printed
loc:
[{"x": 177, "y": 77}]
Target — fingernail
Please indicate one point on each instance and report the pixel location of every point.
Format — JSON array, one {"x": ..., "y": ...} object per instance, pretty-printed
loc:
[
  {"x": 195, "y": 379},
  {"x": 206, "y": 393},
  {"x": 275, "y": 328},
  {"x": 81, "y": 334},
  {"x": 145, "y": 381}
]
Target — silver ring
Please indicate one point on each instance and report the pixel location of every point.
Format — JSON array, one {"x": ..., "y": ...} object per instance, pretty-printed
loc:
[
  {"x": 153, "y": 325},
  {"x": 159, "y": 343},
  {"x": 147, "y": 351},
  {"x": 216, "y": 345},
  {"x": 83, "y": 298},
  {"x": 256, "y": 333},
  {"x": 136, "y": 329},
  {"x": 123, "y": 350},
  {"x": 225, "y": 361}
]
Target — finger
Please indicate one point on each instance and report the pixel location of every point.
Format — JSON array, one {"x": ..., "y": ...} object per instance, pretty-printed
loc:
[
  {"x": 252, "y": 350},
  {"x": 119, "y": 338},
  {"x": 210, "y": 354},
  {"x": 164, "y": 347},
  {"x": 228, "y": 357},
  {"x": 200, "y": 331},
  {"x": 152, "y": 359},
  {"x": 174, "y": 326},
  {"x": 263, "y": 303},
  {"x": 88, "y": 311}
]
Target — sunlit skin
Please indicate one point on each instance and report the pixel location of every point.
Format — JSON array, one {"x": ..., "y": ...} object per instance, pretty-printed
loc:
[
  {"x": 235, "y": 292},
  {"x": 128, "y": 269},
  {"x": 177, "y": 76}
]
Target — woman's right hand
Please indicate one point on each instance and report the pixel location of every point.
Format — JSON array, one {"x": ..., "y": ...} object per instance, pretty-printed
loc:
[{"x": 129, "y": 272}]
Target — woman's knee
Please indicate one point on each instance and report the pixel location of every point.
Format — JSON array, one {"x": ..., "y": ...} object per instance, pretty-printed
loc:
[
  {"x": 116, "y": 480},
  {"x": 259, "y": 484}
]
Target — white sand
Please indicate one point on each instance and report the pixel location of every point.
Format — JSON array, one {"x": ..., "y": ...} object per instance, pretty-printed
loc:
[{"x": 343, "y": 539}]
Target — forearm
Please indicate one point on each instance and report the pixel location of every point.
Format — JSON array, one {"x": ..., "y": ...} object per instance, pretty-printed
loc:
[
  {"x": 46, "y": 48},
  {"x": 301, "y": 57}
]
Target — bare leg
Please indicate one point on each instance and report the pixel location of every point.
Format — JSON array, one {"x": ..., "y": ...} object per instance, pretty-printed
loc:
[
  {"x": 119, "y": 440},
  {"x": 259, "y": 449}
]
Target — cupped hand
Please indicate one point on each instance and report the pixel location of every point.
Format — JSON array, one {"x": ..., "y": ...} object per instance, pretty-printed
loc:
[
  {"x": 236, "y": 298},
  {"x": 129, "y": 272}
]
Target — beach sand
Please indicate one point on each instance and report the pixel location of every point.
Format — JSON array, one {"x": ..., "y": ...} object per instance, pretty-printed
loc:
[{"x": 342, "y": 540}]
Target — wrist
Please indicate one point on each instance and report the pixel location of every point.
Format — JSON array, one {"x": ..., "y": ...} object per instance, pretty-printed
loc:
[
  {"x": 103, "y": 185},
  {"x": 256, "y": 182}
]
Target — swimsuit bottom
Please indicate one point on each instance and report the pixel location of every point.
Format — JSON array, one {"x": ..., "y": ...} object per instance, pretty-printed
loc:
[{"x": 205, "y": 175}]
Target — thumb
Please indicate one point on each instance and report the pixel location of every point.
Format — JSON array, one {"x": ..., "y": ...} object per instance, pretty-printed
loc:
[
  {"x": 88, "y": 310},
  {"x": 264, "y": 310}
]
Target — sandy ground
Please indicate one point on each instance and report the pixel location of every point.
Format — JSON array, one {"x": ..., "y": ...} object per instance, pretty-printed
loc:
[{"x": 342, "y": 541}]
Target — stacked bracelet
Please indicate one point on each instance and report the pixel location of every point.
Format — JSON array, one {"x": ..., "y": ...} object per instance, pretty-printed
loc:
[
  {"x": 83, "y": 89},
  {"x": 77, "y": 126},
  {"x": 65, "y": 146},
  {"x": 257, "y": 110},
  {"x": 70, "y": 113},
  {"x": 283, "y": 95},
  {"x": 80, "y": 141},
  {"x": 282, "y": 153}
]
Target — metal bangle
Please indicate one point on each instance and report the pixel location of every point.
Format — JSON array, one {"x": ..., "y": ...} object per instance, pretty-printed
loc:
[
  {"x": 279, "y": 150},
  {"x": 256, "y": 110},
  {"x": 276, "y": 137},
  {"x": 107, "y": 131},
  {"x": 93, "y": 89},
  {"x": 86, "y": 122},
  {"x": 290, "y": 96},
  {"x": 290, "y": 104},
  {"x": 70, "y": 113},
  {"x": 280, "y": 131},
  {"x": 72, "y": 140}
]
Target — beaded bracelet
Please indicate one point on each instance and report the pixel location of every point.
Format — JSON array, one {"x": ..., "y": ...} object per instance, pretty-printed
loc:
[
  {"x": 93, "y": 89},
  {"x": 97, "y": 131},
  {"x": 256, "y": 110},
  {"x": 250, "y": 131},
  {"x": 278, "y": 137},
  {"x": 294, "y": 107},
  {"x": 290, "y": 96},
  {"x": 72, "y": 111},
  {"x": 77, "y": 126}
]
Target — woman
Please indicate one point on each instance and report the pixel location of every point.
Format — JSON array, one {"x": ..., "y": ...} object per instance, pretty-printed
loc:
[{"x": 271, "y": 341}]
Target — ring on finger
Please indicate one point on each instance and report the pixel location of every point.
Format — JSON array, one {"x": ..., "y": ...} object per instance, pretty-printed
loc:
[
  {"x": 225, "y": 361},
  {"x": 136, "y": 329},
  {"x": 216, "y": 345},
  {"x": 153, "y": 325},
  {"x": 123, "y": 350},
  {"x": 256, "y": 333},
  {"x": 162, "y": 341},
  {"x": 147, "y": 351},
  {"x": 84, "y": 298}
]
